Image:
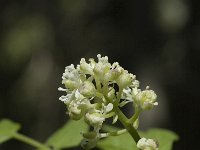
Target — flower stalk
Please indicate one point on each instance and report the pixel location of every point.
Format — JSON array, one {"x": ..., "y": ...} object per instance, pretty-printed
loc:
[
  {"x": 128, "y": 125},
  {"x": 30, "y": 141}
]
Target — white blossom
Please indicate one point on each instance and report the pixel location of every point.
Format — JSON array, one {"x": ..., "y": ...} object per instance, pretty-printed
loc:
[
  {"x": 91, "y": 94},
  {"x": 146, "y": 99},
  {"x": 147, "y": 144}
]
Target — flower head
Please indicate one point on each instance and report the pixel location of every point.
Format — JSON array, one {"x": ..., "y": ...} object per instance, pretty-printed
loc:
[
  {"x": 147, "y": 144},
  {"x": 71, "y": 77},
  {"x": 145, "y": 100},
  {"x": 91, "y": 94}
]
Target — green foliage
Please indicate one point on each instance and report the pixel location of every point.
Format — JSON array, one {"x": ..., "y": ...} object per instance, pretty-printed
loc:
[
  {"x": 68, "y": 136},
  {"x": 7, "y": 129},
  {"x": 125, "y": 141}
]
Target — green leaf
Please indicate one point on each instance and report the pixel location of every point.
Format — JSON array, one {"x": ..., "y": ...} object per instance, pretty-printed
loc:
[
  {"x": 125, "y": 141},
  {"x": 68, "y": 136},
  {"x": 7, "y": 129},
  {"x": 120, "y": 142}
]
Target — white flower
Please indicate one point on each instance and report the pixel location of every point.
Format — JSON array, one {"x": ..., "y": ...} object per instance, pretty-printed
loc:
[
  {"x": 114, "y": 72},
  {"x": 125, "y": 79},
  {"x": 87, "y": 68},
  {"x": 126, "y": 94},
  {"x": 65, "y": 98},
  {"x": 94, "y": 119},
  {"x": 146, "y": 99},
  {"x": 71, "y": 77},
  {"x": 147, "y": 144},
  {"x": 109, "y": 107},
  {"x": 76, "y": 103},
  {"x": 74, "y": 112},
  {"x": 102, "y": 67},
  {"x": 87, "y": 89},
  {"x": 135, "y": 83},
  {"x": 95, "y": 90}
]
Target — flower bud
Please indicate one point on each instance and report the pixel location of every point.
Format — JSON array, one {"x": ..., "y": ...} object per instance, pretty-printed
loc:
[
  {"x": 101, "y": 69},
  {"x": 94, "y": 119},
  {"x": 88, "y": 143},
  {"x": 85, "y": 67},
  {"x": 109, "y": 107},
  {"x": 75, "y": 113},
  {"x": 70, "y": 84},
  {"x": 90, "y": 135},
  {"x": 146, "y": 99},
  {"x": 87, "y": 89},
  {"x": 71, "y": 77},
  {"x": 125, "y": 79},
  {"x": 75, "y": 108},
  {"x": 147, "y": 144},
  {"x": 112, "y": 75}
]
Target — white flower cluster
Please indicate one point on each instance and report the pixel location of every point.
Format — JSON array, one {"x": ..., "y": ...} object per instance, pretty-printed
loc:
[
  {"x": 91, "y": 94},
  {"x": 147, "y": 144}
]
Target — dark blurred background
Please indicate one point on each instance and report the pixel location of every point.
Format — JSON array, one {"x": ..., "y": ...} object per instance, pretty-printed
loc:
[{"x": 157, "y": 40}]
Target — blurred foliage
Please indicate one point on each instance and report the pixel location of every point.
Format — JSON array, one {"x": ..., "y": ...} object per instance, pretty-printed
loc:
[
  {"x": 28, "y": 35},
  {"x": 69, "y": 136},
  {"x": 7, "y": 129}
]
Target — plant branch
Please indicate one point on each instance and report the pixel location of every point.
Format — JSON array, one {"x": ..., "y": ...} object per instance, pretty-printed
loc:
[
  {"x": 30, "y": 141},
  {"x": 114, "y": 133},
  {"x": 128, "y": 125},
  {"x": 135, "y": 116}
]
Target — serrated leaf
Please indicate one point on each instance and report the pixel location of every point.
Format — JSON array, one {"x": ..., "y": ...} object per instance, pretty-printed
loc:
[
  {"x": 7, "y": 129},
  {"x": 68, "y": 136},
  {"x": 125, "y": 141}
]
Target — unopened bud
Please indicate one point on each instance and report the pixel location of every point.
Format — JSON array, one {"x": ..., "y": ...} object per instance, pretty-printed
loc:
[
  {"x": 146, "y": 99},
  {"x": 147, "y": 144},
  {"x": 87, "y": 89},
  {"x": 94, "y": 119},
  {"x": 70, "y": 84},
  {"x": 125, "y": 79}
]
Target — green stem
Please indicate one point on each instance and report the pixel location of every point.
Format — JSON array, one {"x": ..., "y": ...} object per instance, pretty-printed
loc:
[
  {"x": 99, "y": 95},
  {"x": 135, "y": 116},
  {"x": 128, "y": 125},
  {"x": 30, "y": 141},
  {"x": 119, "y": 95},
  {"x": 108, "y": 115},
  {"x": 114, "y": 133}
]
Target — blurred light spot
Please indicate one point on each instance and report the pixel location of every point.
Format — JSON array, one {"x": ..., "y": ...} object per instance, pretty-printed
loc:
[
  {"x": 28, "y": 35},
  {"x": 172, "y": 14}
]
